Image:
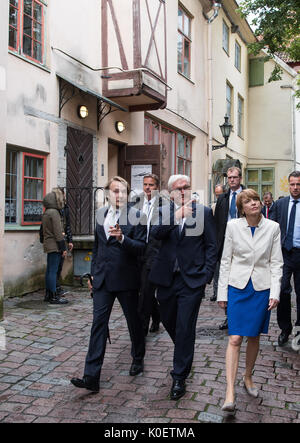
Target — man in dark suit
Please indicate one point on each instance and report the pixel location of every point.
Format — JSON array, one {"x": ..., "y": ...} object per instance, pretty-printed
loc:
[
  {"x": 226, "y": 210},
  {"x": 268, "y": 207},
  {"x": 184, "y": 265},
  {"x": 120, "y": 236},
  {"x": 287, "y": 214},
  {"x": 149, "y": 203}
]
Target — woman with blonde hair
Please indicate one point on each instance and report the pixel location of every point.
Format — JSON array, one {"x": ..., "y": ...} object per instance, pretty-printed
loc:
[{"x": 249, "y": 286}]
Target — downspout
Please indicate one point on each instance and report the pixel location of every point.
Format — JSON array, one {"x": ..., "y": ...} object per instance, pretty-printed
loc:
[{"x": 216, "y": 7}]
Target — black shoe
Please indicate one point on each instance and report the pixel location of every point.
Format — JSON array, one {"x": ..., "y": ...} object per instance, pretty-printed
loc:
[
  {"x": 56, "y": 300},
  {"x": 224, "y": 325},
  {"x": 47, "y": 295},
  {"x": 283, "y": 338},
  {"x": 61, "y": 292},
  {"x": 90, "y": 383},
  {"x": 213, "y": 298},
  {"x": 178, "y": 389},
  {"x": 154, "y": 327},
  {"x": 136, "y": 368}
]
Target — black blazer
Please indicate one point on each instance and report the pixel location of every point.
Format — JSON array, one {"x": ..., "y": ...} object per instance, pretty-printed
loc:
[
  {"x": 280, "y": 215},
  {"x": 271, "y": 210},
  {"x": 221, "y": 218},
  {"x": 196, "y": 255},
  {"x": 114, "y": 262}
]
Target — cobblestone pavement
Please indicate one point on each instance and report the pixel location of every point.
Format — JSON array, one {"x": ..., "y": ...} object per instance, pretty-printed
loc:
[{"x": 46, "y": 346}]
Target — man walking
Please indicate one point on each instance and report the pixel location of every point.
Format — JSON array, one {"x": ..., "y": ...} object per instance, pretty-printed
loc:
[
  {"x": 226, "y": 210},
  {"x": 120, "y": 236},
  {"x": 149, "y": 202},
  {"x": 287, "y": 214},
  {"x": 184, "y": 265}
]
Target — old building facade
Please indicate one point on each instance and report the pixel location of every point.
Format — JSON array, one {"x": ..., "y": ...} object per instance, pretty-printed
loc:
[{"x": 121, "y": 87}]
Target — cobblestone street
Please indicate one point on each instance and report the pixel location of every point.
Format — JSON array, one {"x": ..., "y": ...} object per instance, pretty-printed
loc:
[{"x": 46, "y": 346}]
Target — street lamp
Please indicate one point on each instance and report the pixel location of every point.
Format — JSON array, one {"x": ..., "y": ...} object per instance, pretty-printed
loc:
[{"x": 226, "y": 130}]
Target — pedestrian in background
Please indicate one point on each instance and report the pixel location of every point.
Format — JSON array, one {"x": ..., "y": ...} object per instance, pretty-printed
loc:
[
  {"x": 287, "y": 214},
  {"x": 149, "y": 203},
  {"x": 225, "y": 211},
  {"x": 53, "y": 238},
  {"x": 65, "y": 216},
  {"x": 249, "y": 286},
  {"x": 268, "y": 206}
]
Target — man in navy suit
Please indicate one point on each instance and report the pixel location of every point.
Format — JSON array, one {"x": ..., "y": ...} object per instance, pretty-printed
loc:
[
  {"x": 268, "y": 208},
  {"x": 120, "y": 237},
  {"x": 183, "y": 266},
  {"x": 287, "y": 214}
]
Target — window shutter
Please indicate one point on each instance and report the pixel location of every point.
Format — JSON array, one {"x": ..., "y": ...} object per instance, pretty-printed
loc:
[{"x": 256, "y": 72}]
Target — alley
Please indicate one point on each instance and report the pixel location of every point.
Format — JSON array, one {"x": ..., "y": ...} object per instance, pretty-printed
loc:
[{"x": 46, "y": 347}]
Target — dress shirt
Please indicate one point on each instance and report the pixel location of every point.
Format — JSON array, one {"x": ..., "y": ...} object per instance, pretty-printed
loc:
[
  {"x": 111, "y": 219},
  {"x": 230, "y": 198},
  {"x": 296, "y": 237},
  {"x": 148, "y": 209}
]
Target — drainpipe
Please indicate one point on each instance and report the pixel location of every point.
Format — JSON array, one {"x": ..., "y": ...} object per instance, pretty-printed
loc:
[{"x": 216, "y": 8}]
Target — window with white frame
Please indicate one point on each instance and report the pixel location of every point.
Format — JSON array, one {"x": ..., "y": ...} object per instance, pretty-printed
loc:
[
  {"x": 225, "y": 38},
  {"x": 229, "y": 102},
  {"x": 26, "y": 28},
  {"x": 25, "y": 187},
  {"x": 240, "y": 117},
  {"x": 184, "y": 43},
  {"x": 237, "y": 57}
]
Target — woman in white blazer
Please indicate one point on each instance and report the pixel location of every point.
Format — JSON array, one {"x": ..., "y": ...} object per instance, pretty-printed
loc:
[{"x": 249, "y": 285}]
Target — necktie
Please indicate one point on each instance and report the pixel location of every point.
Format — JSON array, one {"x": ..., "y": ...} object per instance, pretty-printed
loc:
[
  {"x": 267, "y": 212},
  {"x": 232, "y": 210},
  {"x": 288, "y": 243},
  {"x": 111, "y": 219}
]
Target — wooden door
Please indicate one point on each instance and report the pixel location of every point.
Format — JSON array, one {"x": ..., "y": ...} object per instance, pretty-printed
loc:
[{"x": 80, "y": 180}]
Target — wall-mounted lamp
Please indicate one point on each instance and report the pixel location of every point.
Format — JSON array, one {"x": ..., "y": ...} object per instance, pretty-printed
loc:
[
  {"x": 120, "y": 127},
  {"x": 226, "y": 131},
  {"x": 82, "y": 111}
]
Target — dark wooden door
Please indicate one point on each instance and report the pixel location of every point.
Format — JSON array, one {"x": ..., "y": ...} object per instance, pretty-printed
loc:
[
  {"x": 139, "y": 155},
  {"x": 80, "y": 180}
]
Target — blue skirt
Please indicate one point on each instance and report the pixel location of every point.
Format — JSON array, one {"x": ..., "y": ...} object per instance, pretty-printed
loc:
[{"x": 247, "y": 311}]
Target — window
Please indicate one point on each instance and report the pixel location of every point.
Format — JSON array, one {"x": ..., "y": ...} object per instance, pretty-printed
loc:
[
  {"x": 26, "y": 28},
  {"x": 240, "y": 119},
  {"x": 25, "y": 188},
  {"x": 256, "y": 72},
  {"x": 184, "y": 43},
  {"x": 183, "y": 155},
  {"x": 225, "y": 38},
  {"x": 177, "y": 147},
  {"x": 229, "y": 96},
  {"x": 260, "y": 179},
  {"x": 237, "y": 59}
]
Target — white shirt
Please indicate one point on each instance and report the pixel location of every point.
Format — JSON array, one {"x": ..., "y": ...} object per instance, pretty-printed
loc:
[
  {"x": 148, "y": 209},
  {"x": 111, "y": 219}
]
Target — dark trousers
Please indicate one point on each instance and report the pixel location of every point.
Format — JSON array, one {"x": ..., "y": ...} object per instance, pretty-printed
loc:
[
  {"x": 291, "y": 267},
  {"x": 60, "y": 266},
  {"x": 103, "y": 301},
  {"x": 179, "y": 307},
  {"x": 148, "y": 306},
  {"x": 53, "y": 259}
]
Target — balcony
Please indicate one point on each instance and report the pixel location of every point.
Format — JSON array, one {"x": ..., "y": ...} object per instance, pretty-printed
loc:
[{"x": 134, "y": 51}]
